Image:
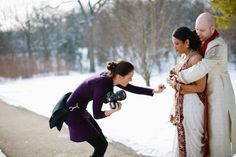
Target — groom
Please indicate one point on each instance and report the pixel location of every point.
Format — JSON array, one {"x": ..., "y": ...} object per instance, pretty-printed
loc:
[{"x": 221, "y": 99}]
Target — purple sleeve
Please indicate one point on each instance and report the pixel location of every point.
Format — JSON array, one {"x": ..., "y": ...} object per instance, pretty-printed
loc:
[
  {"x": 72, "y": 100},
  {"x": 137, "y": 89},
  {"x": 98, "y": 99}
]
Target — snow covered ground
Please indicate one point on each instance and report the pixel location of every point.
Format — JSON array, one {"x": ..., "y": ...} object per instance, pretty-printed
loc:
[{"x": 142, "y": 124}]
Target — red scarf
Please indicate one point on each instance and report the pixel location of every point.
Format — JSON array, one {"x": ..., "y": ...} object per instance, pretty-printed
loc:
[
  {"x": 204, "y": 45},
  {"x": 206, "y": 134}
]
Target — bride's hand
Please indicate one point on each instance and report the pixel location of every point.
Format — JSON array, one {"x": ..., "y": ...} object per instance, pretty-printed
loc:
[{"x": 172, "y": 81}]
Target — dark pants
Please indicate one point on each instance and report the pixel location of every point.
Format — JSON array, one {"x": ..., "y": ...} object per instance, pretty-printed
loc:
[{"x": 99, "y": 144}]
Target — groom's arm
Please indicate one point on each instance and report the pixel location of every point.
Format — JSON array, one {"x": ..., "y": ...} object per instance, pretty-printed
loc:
[{"x": 200, "y": 69}]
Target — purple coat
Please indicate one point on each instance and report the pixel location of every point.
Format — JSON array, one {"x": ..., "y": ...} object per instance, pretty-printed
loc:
[{"x": 82, "y": 126}]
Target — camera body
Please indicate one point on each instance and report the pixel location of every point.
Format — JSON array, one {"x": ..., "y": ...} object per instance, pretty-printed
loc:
[{"x": 112, "y": 97}]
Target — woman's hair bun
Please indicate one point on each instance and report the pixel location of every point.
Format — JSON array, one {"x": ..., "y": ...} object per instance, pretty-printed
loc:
[{"x": 111, "y": 66}]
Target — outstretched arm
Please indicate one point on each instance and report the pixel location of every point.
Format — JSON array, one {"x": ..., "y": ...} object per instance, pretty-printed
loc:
[
  {"x": 137, "y": 90},
  {"x": 143, "y": 90}
]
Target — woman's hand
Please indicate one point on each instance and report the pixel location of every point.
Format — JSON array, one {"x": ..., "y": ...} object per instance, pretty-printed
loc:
[
  {"x": 159, "y": 89},
  {"x": 111, "y": 111}
]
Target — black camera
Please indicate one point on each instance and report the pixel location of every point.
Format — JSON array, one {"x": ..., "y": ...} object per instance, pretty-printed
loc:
[{"x": 112, "y": 98}]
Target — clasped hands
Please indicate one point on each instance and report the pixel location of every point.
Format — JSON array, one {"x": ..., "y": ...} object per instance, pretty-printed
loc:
[{"x": 172, "y": 81}]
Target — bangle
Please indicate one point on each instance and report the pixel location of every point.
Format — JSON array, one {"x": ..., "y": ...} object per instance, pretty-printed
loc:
[{"x": 178, "y": 86}]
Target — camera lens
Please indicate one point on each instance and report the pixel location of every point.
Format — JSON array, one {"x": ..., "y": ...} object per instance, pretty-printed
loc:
[{"x": 113, "y": 105}]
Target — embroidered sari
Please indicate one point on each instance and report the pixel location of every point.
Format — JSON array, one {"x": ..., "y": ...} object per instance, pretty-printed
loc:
[{"x": 188, "y": 117}]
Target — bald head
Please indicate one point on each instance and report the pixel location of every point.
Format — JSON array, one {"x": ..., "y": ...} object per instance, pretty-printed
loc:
[
  {"x": 206, "y": 18},
  {"x": 205, "y": 25}
]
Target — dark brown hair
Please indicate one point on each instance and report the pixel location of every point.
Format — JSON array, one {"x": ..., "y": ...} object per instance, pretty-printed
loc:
[
  {"x": 121, "y": 67},
  {"x": 184, "y": 33}
]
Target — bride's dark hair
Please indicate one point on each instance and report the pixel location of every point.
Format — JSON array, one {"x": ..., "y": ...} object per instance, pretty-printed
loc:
[{"x": 184, "y": 33}]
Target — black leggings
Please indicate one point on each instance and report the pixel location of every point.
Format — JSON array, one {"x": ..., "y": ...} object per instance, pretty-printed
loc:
[{"x": 99, "y": 144}]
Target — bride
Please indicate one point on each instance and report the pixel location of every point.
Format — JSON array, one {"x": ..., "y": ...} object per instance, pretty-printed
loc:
[{"x": 188, "y": 113}]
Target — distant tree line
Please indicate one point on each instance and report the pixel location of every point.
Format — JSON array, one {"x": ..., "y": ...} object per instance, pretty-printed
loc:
[{"x": 138, "y": 31}]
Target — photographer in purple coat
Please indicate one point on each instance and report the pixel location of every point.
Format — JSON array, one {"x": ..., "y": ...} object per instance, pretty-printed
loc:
[{"x": 82, "y": 125}]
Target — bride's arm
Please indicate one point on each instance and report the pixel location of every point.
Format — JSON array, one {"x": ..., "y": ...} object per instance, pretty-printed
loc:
[{"x": 198, "y": 86}]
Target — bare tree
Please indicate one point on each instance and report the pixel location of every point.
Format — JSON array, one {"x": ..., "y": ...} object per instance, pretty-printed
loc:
[
  {"x": 26, "y": 28},
  {"x": 89, "y": 18},
  {"x": 144, "y": 32}
]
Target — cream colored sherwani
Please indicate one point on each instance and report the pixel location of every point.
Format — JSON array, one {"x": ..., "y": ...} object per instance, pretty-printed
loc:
[{"x": 221, "y": 98}]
